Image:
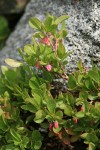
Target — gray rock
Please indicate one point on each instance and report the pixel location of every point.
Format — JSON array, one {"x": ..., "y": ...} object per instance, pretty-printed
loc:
[{"x": 83, "y": 27}]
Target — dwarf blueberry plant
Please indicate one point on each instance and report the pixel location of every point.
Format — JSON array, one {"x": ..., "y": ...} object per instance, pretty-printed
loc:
[{"x": 32, "y": 95}]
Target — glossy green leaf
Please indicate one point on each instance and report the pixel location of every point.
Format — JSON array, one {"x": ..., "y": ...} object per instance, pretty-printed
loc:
[
  {"x": 29, "y": 49},
  {"x": 80, "y": 65},
  {"x": 70, "y": 99},
  {"x": 4, "y": 69},
  {"x": 90, "y": 137},
  {"x": 51, "y": 105},
  {"x": 56, "y": 130},
  {"x": 61, "y": 19},
  {"x": 29, "y": 107},
  {"x": 37, "y": 145},
  {"x": 34, "y": 82},
  {"x": 12, "y": 62},
  {"x": 15, "y": 136},
  {"x": 3, "y": 123},
  {"x": 62, "y": 34},
  {"x": 39, "y": 116},
  {"x": 48, "y": 22},
  {"x": 25, "y": 141},
  {"x": 94, "y": 75},
  {"x": 80, "y": 114},
  {"x": 61, "y": 50},
  {"x": 68, "y": 111},
  {"x": 35, "y": 23},
  {"x": 72, "y": 82},
  {"x": 36, "y": 135},
  {"x": 1, "y": 112},
  {"x": 91, "y": 146}
]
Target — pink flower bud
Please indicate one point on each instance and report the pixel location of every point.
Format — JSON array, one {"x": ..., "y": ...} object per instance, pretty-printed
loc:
[
  {"x": 48, "y": 67},
  {"x": 75, "y": 120},
  {"x": 46, "y": 41},
  {"x": 82, "y": 108},
  {"x": 37, "y": 65},
  {"x": 56, "y": 125},
  {"x": 50, "y": 126}
]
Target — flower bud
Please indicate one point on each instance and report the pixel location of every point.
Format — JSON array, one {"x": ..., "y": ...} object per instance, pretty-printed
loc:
[
  {"x": 75, "y": 120},
  {"x": 48, "y": 67},
  {"x": 37, "y": 65},
  {"x": 82, "y": 108},
  {"x": 46, "y": 41},
  {"x": 56, "y": 125},
  {"x": 50, "y": 126}
]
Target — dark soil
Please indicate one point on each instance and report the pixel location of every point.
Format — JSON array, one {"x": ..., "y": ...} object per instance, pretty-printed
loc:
[{"x": 54, "y": 144}]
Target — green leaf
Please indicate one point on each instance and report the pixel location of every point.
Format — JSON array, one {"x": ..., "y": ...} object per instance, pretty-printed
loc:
[
  {"x": 34, "y": 82},
  {"x": 4, "y": 69},
  {"x": 12, "y": 63},
  {"x": 80, "y": 114},
  {"x": 48, "y": 22},
  {"x": 29, "y": 100},
  {"x": 57, "y": 130},
  {"x": 80, "y": 66},
  {"x": 3, "y": 123},
  {"x": 38, "y": 100},
  {"x": 9, "y": 147},
  {"x": 90, "y": 137},
  {"x": 38, "y": 35},
  {"x": 39, "y": 116},
  {"x": 37, "y": 145},
  {"x": 92, "y": 97},
  {"x": 97, "y": 105},
  {"x": 61, "y": 19},
  {"x": 15, "y": 136},
  {"x": 29, "y": 49},
  {"x": 63, "y": 26},
  {"x": 72, "y": 82},
  {"x": 83, "y": 95},
  {"x": 91, "y": 146},
  {"x": 35, "y": 23},
  {"x": 1, "y": 112},
  {"x": 68, "y": 111},
  {"x": 36, "y": 136},
  {"x": 29, "y": 107},
  {"x": 25, "y": 141},
  {"x": 53, "y": 28},
  {"x": 11, "y": 76},
  {"x": 51, "y": 105},
  {"x": 89, "y": 84},
  {"x": 70, "y": 99},
  {"x": 59, "y": 115},
  {"x": 47, "y": 76},
  {"x": 84, "y": 135},
  {"x": 62, "y": 34},
  {"x": 94, "y": 74},
  {"x": 95, "y": 112},
  {"x": 61, "y": 50}
]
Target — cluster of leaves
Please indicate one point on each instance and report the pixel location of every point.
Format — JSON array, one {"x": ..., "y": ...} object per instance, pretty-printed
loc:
[
  {"x": 4, "y": 30},
  {"x": 32, "y": 96}
]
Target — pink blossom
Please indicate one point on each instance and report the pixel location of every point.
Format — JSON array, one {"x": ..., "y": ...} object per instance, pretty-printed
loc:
[
  {"x": 48, "y": 67},
  {"x": 37, "y": 65},
  {"x": 82, "y": 108},
  {"x": 75, "y": 120},
  {"x": 56, "y": 125},
  {"x": 50, "y": 126},
  {"x": 46, "y": 41}
]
